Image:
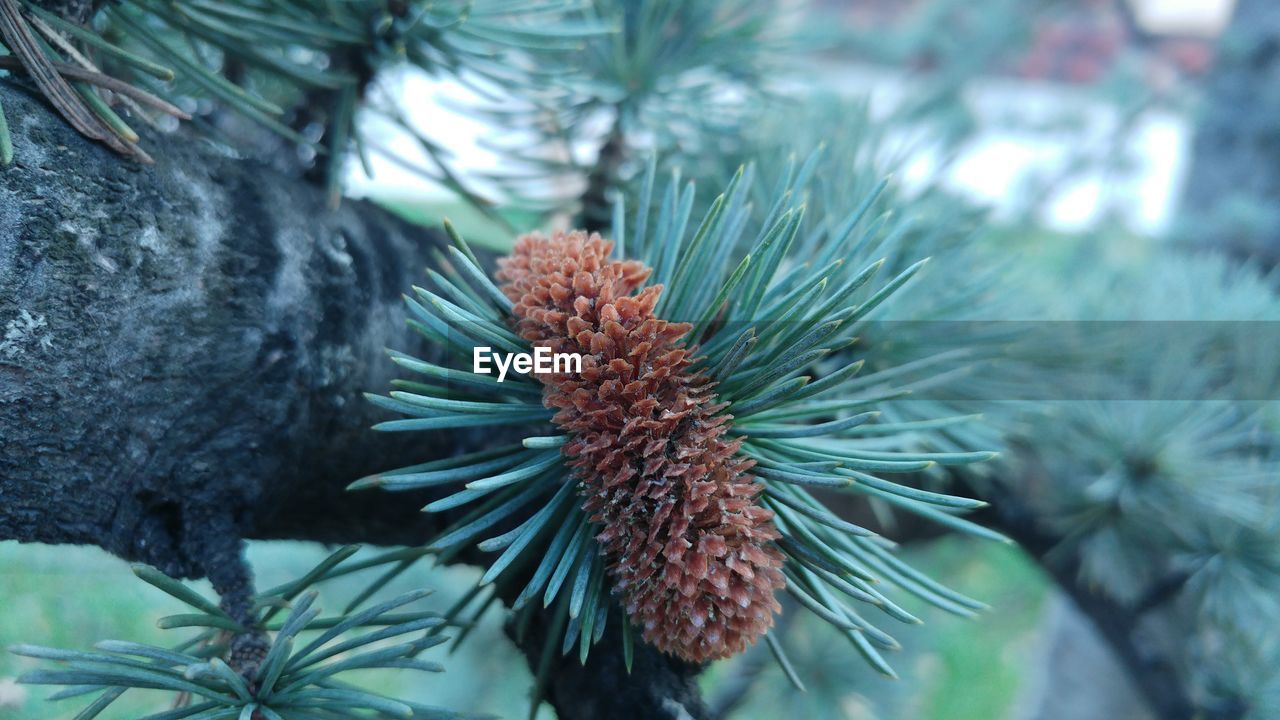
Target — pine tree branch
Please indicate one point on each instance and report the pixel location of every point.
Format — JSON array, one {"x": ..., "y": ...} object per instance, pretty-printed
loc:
[
  {"x": 182, "y": 352},
  {"x": 205, "y": 332},
  {"x": 182, "y": 349},
  {"x": 1143, "y": 644}
]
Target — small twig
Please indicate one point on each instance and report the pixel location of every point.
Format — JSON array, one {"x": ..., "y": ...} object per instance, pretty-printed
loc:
[
  {"x": 596, "y": 205},
  {"x": 1160, "y": 592},
  {"x": 214, "y": 540}
]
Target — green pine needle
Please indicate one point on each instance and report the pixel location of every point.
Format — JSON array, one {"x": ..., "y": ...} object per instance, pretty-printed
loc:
[{"x": 301, "y": 674}]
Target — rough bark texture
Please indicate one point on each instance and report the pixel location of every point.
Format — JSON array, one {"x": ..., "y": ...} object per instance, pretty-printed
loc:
[
  {"x": 182, "y": 352},
  {"x": 186, "y": 343},
  {"x": 1232, "y": 197}
]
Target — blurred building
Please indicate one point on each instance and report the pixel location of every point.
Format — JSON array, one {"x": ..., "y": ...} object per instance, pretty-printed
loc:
[
  {"x": 1081, "y": 107},
  {"x": 1080, "y": 40}
]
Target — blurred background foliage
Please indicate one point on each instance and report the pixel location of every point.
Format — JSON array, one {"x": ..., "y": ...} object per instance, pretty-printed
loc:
[
  {"x": 1039, "y": 151},
  {"x": 945, "y": 665}
]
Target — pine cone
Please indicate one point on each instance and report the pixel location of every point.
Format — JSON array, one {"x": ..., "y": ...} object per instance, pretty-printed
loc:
[{"x": 687, "y": 546}]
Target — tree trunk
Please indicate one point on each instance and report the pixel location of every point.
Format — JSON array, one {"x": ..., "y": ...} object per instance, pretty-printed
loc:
[
  {"x": 1232, "y": 197},
  {"x": 182, "y": 352}
]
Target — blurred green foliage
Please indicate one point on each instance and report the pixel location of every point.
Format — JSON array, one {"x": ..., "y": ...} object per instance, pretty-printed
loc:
[
  {"x": 73, "y": 597},
  {"x": 491, "y": 233},
  {"x": 951, "y": 668}
]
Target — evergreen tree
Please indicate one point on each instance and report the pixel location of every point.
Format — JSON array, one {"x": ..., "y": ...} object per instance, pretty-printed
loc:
[{"x": 790, "y": 361}]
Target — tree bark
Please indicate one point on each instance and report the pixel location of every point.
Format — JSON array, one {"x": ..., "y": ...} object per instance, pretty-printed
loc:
[
  {"x": 182, "y": 352},
  {"x": 187, "y": 341},
  {"x": 1231, "y": 200}
]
